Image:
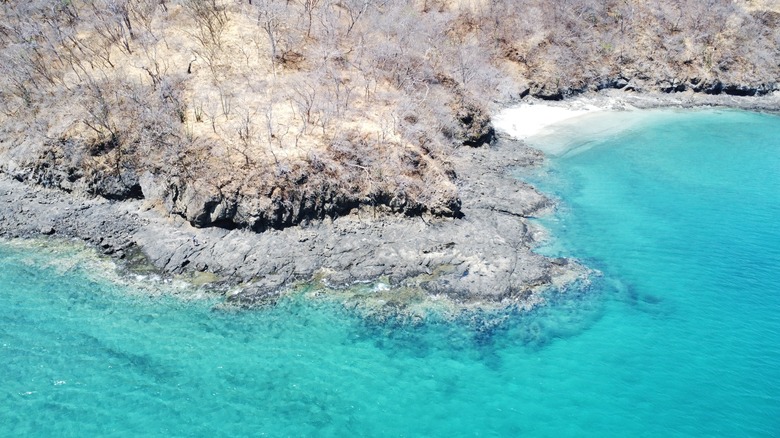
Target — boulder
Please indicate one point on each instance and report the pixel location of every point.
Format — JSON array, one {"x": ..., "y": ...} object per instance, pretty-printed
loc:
[
  {"x": 671, "y": 85},
  {"x": 116, "y": 187},
  {"x": 714, "y": 87},
  {"x": 545, "y": 92},
  {"x": 475, "y": 127}
]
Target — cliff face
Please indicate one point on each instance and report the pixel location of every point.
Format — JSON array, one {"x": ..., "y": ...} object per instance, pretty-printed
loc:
[{"x": 268, "y": 113}]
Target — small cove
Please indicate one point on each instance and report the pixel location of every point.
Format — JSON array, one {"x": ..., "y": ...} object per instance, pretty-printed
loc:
[{"x": 678, "y": 336}]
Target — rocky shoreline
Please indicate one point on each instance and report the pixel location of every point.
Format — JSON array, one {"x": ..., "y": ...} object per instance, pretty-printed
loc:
[
  {"x": 484, "y": 258},
  {"x": 619, "y": 100}
]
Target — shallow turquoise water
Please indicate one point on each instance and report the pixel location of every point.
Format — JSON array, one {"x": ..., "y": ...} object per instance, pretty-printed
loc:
[{"x": 680, "y": 336}]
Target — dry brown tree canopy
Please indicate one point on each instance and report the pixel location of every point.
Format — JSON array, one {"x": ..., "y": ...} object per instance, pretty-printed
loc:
[{"x": 269, "y": 112}]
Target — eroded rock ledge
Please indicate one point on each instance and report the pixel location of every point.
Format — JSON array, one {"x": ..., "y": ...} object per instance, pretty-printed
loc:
[
  {"x": 644, "y": 83},
  {"x": 484, "y": 256}
]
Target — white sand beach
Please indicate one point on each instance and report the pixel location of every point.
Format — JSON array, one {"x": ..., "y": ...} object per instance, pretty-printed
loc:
[{"x": 526, "y": 120}]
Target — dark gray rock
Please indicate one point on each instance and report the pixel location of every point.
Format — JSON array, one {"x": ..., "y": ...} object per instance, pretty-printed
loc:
[
  {"x": 485, "y": 256},
  {"x": 671, "y": 85},
  {"x": 546, "y": 92}
]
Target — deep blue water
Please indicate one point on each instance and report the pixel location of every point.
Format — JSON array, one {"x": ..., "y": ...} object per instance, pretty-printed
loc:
[{"x": 679, "y": 336}]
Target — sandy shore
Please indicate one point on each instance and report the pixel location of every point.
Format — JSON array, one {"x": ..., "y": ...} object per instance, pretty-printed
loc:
[
  {"x": 530, "y": 119},
  {"x": 534, "y": 117}
]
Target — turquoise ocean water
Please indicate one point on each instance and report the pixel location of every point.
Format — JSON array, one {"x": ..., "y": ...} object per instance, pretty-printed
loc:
[{"x": 679, "y": 336}]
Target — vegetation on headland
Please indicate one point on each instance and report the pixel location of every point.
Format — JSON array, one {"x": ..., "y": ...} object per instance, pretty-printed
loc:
[{"x": 269, "y": 113}]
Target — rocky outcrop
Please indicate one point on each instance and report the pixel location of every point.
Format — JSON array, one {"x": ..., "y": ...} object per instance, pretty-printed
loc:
[
  {"x": 716, "y": 87},
  {"x": 261, "y": 197},
  {"x": 56, "y": 167},
  {"x": 473, "y": 125},
  {"x": 476, "y": 128},
  {"x": 641, "y": 83},
  {"x": 484, "y": 257},
  {"x": 280, "y": 206},
  {"x": 546, "y": 91}
]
